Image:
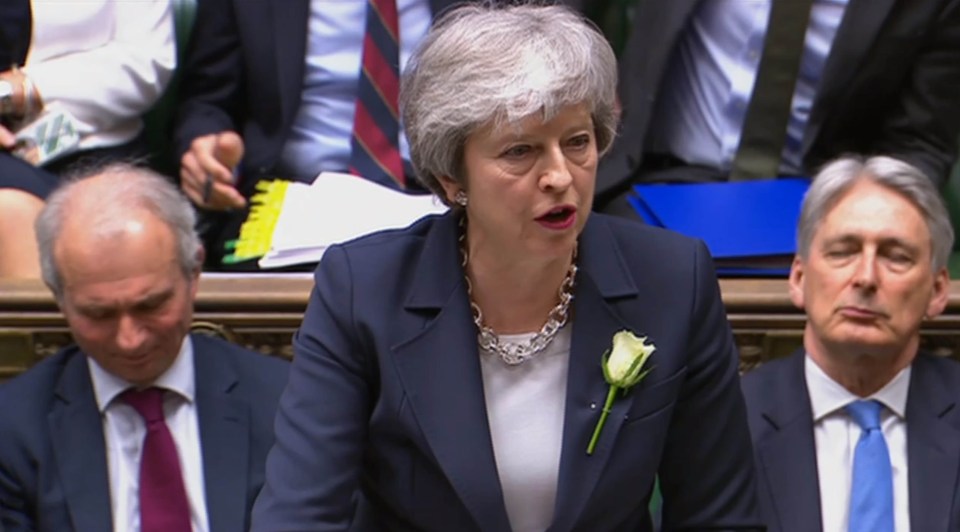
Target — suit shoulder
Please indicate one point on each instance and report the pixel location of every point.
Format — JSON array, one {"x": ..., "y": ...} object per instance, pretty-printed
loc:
[
  {"x": 947, "y": 369},
  {"x": 40, "y": 379},
  {"x": 758, "y": 382},
  {"x": 625, "y": 229},
  {"x": 249, "y": 364},
  {"x": 390, "y": 241},
  {"x": 944, "y": 363},
  {"x": 33, "y": 391},
  {"x": 388, "y": 260},
  {"x": 665, "y": 257}
]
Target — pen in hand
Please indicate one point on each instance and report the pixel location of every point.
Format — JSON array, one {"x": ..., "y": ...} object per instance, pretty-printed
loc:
[
  {"x": 207, "y": 189},
  {"x": 206, "y": 193},
  {"x": 219, "y": 174}
]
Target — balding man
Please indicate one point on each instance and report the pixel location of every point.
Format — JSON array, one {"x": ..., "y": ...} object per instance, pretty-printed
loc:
[{"x": 141, "y": 426}]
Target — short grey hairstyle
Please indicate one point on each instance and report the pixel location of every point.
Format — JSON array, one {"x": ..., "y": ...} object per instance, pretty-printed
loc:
[
  {"x": 128, "y": 188},
  {"x": 838, "y": 176},
  {"x": 482, "y": 63}
]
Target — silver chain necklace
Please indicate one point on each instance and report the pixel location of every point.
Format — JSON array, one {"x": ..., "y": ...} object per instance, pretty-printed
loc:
[{"x": 513, "y": 353}]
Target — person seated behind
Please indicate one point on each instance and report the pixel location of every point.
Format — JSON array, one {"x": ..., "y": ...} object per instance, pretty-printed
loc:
[
  {"x": 271, "y": 90},
  {"x": 447, "y": 376},
  {"x": 870, "y": 78},
  {"x": 105, "y": 62},
  {"x": 858, "y": 430},
  {"x": 141, "y": 425}
]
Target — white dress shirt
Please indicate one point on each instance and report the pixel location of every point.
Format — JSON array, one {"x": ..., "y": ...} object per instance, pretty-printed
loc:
[
  {"x": 836, "y": 435},
  {"x": 321, "y": 132},
  {"x": 105, "y": 61},
  {"x": 124, "y": 431},
  {"x": 525, "y": 412},
  {"x": 707, "y": 89}
]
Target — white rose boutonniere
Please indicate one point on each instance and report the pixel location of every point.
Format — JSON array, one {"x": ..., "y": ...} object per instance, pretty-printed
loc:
[{"x": 623, "y": 367}]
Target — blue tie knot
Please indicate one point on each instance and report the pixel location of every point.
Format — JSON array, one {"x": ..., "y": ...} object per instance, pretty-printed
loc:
[{"x": 865, "y": 413}]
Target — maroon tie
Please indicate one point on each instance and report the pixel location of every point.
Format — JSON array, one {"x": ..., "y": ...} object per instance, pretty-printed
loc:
[
  {"x": 375, "y": 152},
  {"x": 163, "y": 498}
]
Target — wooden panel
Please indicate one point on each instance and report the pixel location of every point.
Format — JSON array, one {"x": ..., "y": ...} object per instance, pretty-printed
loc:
[{"x": 262, "y": 311}]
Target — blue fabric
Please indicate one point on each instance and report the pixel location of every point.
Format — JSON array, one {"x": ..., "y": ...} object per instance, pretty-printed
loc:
[
  {"x": 749, "y": 227},
  {"x": 871, "y": 497}
]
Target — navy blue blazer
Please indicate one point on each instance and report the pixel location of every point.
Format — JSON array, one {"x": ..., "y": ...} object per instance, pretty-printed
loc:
[
  {"x": 781, "y": 422},
  {"x": 53, "y": 468},
  {"x": 386, "y": 395}
]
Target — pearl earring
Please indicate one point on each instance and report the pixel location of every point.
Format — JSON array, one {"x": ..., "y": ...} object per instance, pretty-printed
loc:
[{"x": 460, "y": 198}]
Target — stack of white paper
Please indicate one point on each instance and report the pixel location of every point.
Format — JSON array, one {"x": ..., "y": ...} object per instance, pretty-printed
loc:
[{"x": 336, "y": 208}]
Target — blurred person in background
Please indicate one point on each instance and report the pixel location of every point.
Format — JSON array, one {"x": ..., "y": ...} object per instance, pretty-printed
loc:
[
  {"x": 287, "y": 90},
  {"x": 716, "y": 90},
  {"x": 101, "y": 62}
]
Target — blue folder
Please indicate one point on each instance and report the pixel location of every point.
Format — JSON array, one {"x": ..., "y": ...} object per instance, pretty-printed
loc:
[{"x": 749, "y": 226}]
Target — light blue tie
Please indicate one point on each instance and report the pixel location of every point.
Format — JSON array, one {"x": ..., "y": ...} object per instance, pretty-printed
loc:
[{"x": 871, "y": 496}]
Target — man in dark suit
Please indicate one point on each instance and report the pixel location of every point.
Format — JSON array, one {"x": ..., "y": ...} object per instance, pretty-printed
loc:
[
  {"x": 875, "y": 77},
  {"x": 141, "y": 425},
  {"x": 269, "y": 90},
  {"x": 873, "y": 243}
]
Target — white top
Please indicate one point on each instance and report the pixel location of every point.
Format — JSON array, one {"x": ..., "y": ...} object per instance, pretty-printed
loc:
[
  {"x": 104, "y": 61},
  {"x": 124, "y": 431},
  {"x": 836, "y": 434},
  {"x": 525, "y": 412},
  {"x": 322, "y": 130},
  {"x": 708, "y": 88}
]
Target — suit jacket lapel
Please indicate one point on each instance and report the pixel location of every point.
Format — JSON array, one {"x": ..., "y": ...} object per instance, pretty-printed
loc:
[
  {"x": 79, "y": 448},
  {"x": 659, "y": 27},
  {"x": 290, "y": 19},
  {"x": 440, "y": 341},
  {"x": 602, "y": 275},
  {"x": 933, "y": 447},
  {"x": 787, "y": 454},
  {"x": 861, "y": 23},
  {"x": 656, "y": 28},
  {"x": 224, "y": 439}
]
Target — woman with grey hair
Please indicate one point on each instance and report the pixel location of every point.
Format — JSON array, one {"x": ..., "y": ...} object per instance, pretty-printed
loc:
[{"x": 454, "y": 375}]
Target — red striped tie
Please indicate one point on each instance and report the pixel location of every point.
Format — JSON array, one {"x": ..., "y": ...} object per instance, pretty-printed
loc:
[{"x": 375, "y": 152}]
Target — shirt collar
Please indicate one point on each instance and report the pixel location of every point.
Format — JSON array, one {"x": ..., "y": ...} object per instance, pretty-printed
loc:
[
  {"x": 178, "y": 378},
  {"x": 827, "y": 395}
]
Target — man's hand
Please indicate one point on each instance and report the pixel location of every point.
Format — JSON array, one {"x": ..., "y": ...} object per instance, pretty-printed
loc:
[
  {"x": 7, "y": 140},
  {"x": 207, "y": 171}
]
